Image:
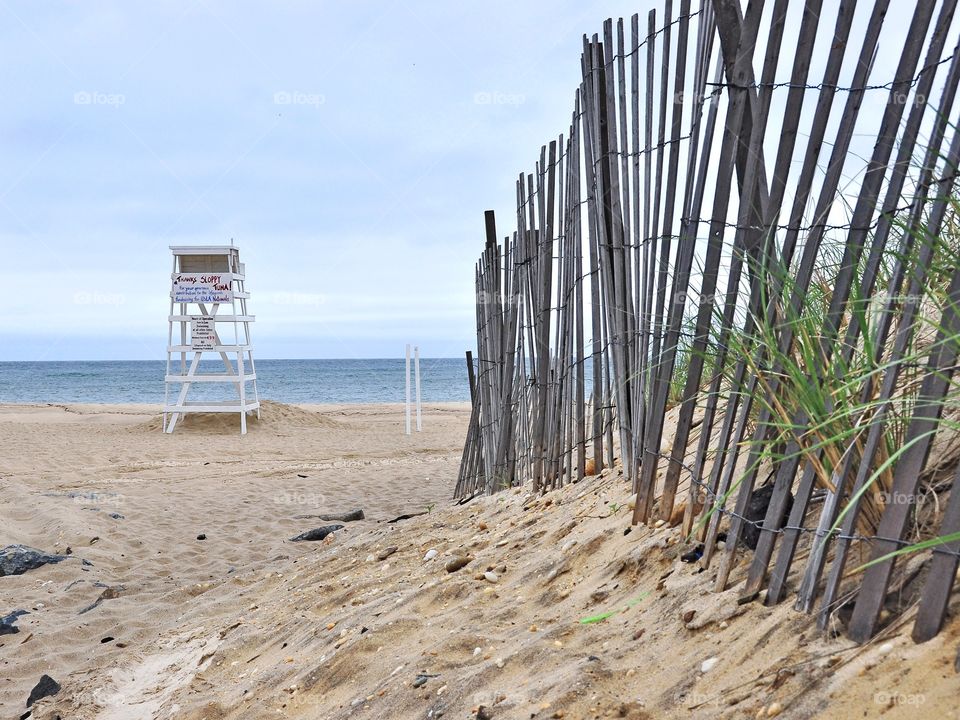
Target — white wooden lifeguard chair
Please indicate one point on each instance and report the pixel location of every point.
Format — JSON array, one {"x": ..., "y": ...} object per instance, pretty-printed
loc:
[{"x": 204, "y": 280}]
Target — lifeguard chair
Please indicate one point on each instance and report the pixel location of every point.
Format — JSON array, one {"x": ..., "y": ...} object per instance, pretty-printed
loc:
[{"x": 204, "y": 280}]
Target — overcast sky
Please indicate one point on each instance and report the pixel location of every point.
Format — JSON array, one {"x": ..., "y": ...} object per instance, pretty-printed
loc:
[{"x": 349, "y": 149}]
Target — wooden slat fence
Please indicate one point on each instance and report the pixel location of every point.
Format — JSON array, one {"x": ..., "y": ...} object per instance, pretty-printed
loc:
[{"x": 726, "y": 172}]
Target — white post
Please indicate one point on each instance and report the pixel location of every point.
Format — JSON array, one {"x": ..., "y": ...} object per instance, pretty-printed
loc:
[
  {"x": 407, "y": 377},
  {"x": 416, "y": 371}
]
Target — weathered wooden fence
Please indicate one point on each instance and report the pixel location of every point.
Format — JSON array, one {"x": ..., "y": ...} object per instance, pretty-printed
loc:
[{"x": 704, "y": 181}]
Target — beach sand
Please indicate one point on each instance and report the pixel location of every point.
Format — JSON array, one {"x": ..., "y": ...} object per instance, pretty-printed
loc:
[
  {"x": 582, "y": 617},
  {"x": 65, "y": 471}
]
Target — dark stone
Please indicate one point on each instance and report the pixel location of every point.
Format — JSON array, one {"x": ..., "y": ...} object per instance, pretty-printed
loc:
[
  {"x": 468, "y": 498},
  {"x": 756, "y": 512},
  {"x": 406, "y": 517},
  {"x": 422, "y": 678},
  {"x": 18, "y": 559},
  {"x": 344, "y": 517},
  {"x": 108, "y": 638},
  {"x": 317, "y": 533},
  {"x": 693, "y": 555},
  {"x": 201, "y": 536},
  {"x": 484, "y": 713},
  {"x": 116, "y": 516},
  {"x": 301, "y": 476},
  {"x": 8, "y": 622},
  {"x": 456, "y": 563},
  {"x": 335, "y": 517},
  {"x": 45, "y": 688}
]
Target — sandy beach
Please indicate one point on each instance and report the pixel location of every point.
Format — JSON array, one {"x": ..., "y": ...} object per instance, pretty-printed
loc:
[
  {"x": 105, "y": 485},
  {"x": 559, "y": 610}
]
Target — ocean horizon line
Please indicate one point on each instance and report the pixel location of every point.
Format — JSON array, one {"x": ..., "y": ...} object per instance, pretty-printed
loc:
[{"x": 286, "y": 380}]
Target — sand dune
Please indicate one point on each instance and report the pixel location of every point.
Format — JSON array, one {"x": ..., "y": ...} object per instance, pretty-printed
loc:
[{"x": 563, "y": 610}]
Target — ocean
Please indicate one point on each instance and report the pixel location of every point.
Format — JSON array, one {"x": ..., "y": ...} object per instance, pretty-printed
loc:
[{"x": 289, "y": 381}]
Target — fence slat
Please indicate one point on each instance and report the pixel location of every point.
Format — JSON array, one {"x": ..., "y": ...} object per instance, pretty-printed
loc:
[{"x": 802, "y": 276}]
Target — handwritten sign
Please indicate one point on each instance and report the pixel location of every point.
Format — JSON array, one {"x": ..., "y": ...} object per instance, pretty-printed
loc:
[
  {"x": 203, "y": 336},
  {"x": 200, "y": 288}
]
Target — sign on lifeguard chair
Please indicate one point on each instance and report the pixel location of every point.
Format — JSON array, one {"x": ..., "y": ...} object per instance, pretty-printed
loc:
[{"x": 204, "y": 280}]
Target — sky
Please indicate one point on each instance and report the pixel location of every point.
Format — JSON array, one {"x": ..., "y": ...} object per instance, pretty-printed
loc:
[{"x": 348, "y": 149}]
